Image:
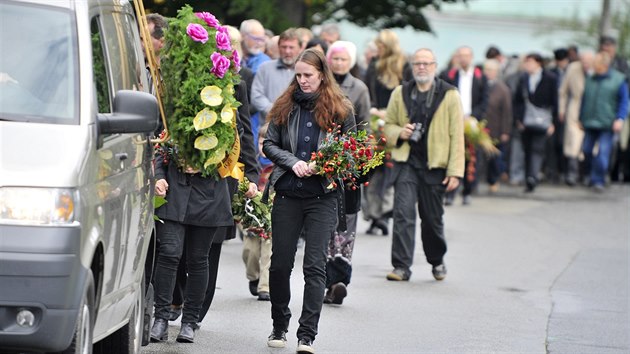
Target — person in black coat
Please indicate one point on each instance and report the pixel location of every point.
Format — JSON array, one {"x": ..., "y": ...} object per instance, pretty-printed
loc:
[
  {"x": 198, "y": 209},
  {"x": 535, "y": 111},
  {"x": 473, "y": 89},
  {"x": 299, "y": 119}
]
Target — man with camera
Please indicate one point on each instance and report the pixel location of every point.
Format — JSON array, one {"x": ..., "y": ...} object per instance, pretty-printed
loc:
[{"x": 425, "y": 130}]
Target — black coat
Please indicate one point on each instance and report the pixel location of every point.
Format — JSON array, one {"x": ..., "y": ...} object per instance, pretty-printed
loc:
[
  {"x": 479, "y": 90},
  {"x": 281, "y": 141},
  {"x": 280, "y": 145},
  {"x": 545, "y": 95}
]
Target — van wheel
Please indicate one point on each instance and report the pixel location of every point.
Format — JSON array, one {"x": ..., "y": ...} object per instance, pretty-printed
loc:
[
  {"x": 82, "y": 340},
  {"x": 128, "y": 338}
]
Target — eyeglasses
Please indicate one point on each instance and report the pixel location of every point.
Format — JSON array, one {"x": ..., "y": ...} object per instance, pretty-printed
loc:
[
  {"x": 421, "y": 64},
  {"x": 256, "y": 38}
]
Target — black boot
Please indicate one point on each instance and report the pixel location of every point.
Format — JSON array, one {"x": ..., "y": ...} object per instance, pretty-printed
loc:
[
  {"x": 159, "y": 331},
  {"x": 372, "y": 229},
  {"x": 187, "y": 333},
  {"x": 382, "y": 225}
]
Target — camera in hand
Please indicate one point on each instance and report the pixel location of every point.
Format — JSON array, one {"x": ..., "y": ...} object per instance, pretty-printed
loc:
[{"x": 418, "y": 133}]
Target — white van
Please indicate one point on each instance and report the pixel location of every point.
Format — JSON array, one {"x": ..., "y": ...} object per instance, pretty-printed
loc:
[{"x": 76, "y": 180}]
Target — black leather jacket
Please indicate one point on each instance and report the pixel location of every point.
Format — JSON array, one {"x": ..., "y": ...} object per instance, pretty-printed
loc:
[{"x": 281, "y": 142}]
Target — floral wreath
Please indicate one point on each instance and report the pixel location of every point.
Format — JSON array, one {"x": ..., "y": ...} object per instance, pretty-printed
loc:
[{"x": 199, "y": 69}]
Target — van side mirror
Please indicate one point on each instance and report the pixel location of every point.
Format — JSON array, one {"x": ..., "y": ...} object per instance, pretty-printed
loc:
[{"x": 134, "y": 112}]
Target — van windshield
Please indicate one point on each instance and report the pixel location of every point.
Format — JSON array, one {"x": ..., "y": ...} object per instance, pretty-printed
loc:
[{"x": 38, "y": 64}]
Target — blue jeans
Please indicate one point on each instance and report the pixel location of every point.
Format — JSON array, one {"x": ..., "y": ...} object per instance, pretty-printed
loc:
[{"x": 598, "y": 164}]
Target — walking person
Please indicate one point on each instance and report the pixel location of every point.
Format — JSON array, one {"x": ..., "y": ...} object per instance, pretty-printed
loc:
[
  {"x": 499, "y": 117},
  {"x": 535, "y": 109},
  {"x": 604, "y": 109},
  {"x": 425, "y": 130},
  {"x": 569, "y": 104},
  {"x": 298, "y": 121},
  {"x": 342, "y": 57},
  {"x": 196, "y": 224},
  {"x": 472, "y": 85},
  {"x": 388, "y": 70}
]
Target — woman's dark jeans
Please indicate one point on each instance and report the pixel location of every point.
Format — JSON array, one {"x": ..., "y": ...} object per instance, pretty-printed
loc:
[
  {"x": 171, "y": 246},
  {"x": 316, "y": 218}
]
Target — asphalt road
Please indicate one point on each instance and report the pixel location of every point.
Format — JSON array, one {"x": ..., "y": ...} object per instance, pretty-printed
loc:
[{"x": 540, "y": 273}]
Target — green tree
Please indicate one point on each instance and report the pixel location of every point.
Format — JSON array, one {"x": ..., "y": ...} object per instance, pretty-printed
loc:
[
  {"x": 278, "y": 15},
  {"x": 589, "y": 30}
]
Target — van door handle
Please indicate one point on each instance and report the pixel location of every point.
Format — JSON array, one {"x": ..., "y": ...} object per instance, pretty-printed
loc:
[{"x": 122, "y": 156}]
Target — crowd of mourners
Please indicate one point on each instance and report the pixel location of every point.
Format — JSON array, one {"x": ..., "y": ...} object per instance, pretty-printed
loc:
[{"x": 559, "y": 120}]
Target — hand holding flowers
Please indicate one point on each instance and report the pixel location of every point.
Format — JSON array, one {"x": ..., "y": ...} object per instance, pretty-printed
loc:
[
  {"x": 346, "y": 158},
  {"x": 252, "y": 213}
]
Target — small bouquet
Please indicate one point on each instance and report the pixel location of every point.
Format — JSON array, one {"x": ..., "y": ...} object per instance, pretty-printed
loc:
[
  {"x": 252, "y": 213},
  {"x": 477, "y": 135},
  {"x": 200, "y": 69},
  {"x": 346, "y": 157},
  {"x": 377, "y": 126}
]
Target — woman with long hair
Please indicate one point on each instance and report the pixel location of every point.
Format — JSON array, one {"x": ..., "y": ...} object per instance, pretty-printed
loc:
[
  {"x": 385, "y": 72},
  {"x": 298, "y": 122}
]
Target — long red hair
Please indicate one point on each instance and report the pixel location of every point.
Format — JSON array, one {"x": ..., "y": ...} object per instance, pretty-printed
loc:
[{"x": 332, "y": 106}]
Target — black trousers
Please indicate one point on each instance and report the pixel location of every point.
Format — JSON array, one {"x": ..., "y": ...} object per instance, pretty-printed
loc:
[
  {"x": 171, "y": 247},
  {"x": 411, "y": 187},
  {"x": 534, "y": 142},
  {"x": 214, "y": 256},
  {"x": 316, "y": 219}
]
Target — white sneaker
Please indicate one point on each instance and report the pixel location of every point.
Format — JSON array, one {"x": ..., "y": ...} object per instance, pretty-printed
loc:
[
  {"x": 277, "y": 339},
  {"x": 305, "y": 346}
]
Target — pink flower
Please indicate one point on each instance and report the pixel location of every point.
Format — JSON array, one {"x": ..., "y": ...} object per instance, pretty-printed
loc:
[
  {"x": 222, "y": 29},
  {"x": 237, "y": 60},
  {"x": 223, "y": 41},
  {"x": 209, "y": 18},
  {"x": 197, "y": 33},
  {"x": 220, "y": 64}
]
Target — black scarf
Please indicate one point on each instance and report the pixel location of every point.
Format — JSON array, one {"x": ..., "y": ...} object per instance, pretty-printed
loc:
[
  {"x": 305, "y": 100},
  {"x": 340, "y": 78}
]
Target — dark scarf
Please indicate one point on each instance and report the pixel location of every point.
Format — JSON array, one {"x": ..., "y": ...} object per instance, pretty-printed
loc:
[
  {"x": 305, "y": 100},
  {"x": 340, "y": 78}
]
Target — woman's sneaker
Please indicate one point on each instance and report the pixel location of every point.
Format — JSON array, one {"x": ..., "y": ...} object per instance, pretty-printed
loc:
[
  {"x": 305, "y": 346},
  {"x": 277, "y": 339},
  {"x": 439, "y": 272}
]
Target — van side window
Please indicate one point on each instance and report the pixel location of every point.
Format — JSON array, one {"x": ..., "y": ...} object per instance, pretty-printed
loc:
[
  {"x": 98, "y": 66},
  {"x": 124, "y": 60},
  {"x": 117, "y": 61}
]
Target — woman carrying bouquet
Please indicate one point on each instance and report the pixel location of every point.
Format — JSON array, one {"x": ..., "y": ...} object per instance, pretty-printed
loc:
[{"x": 304, "y": 202}]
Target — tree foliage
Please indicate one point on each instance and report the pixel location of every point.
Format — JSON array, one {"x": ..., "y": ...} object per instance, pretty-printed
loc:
[
  {"x": 384, "y": 13},
  {"x": 587, "y": 30},
  {"x": 278, "y": 15}
]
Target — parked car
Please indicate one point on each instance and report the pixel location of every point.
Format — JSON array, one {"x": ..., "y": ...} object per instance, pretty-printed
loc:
[{"x": 76, "y": 180}]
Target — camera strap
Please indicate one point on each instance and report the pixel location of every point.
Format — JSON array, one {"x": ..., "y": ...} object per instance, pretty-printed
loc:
[{"x": 422, "y": 113}]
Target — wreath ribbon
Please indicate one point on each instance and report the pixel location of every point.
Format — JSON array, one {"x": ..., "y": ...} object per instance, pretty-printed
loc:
[
  {"x": 230, "y": 165},
  {"x": 249, "y": 208}
]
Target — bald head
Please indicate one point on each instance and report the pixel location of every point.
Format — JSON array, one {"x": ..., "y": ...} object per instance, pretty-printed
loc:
[{"x": 254, "y": 39}]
